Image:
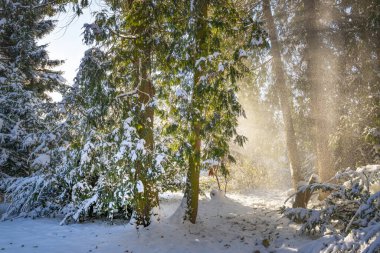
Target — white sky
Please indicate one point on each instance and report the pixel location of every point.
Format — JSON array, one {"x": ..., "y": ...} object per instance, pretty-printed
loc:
[{"x": 65, "y": 42}]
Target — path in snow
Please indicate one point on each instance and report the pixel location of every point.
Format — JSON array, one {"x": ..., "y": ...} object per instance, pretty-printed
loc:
[{"x": 239, "y": 223}]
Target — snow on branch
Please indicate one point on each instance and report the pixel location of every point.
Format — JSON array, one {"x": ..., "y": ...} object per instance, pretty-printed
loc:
[{"x": 351, "y": 212}]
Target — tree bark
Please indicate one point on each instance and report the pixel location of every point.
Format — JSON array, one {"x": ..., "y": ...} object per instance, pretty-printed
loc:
[
  {"x": 192, "y": 183},
  {"x": 302, "y": 198},
  {"x": 286, "y": 104},
  {"x": 146, "y": 200},
  {"x": 318, "y": 97}
]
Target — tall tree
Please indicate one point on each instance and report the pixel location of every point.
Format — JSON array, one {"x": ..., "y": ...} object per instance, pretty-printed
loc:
[
  {"x": 146, "y": 58},
  {"x": 25, "y": 77},
  {"x": 126, "y": 34},
  {"x": 205, "y": 65},
  {"x": 140, "y": 15},
  {"x": 286, "y": 103},
  {"x": 199, "y": 13},
  {"x": 318, "y": 91},
  {"x": 357, "y": 41}
]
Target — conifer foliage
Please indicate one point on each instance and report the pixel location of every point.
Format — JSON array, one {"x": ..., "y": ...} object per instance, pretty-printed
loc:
[
  {"x": 350, "y": 212},
  {"x": 116, "y": 91},
  {"x": 154, "y": 99},
  {"x": 204, "y": 109},
  {"x": 117, "y": 166},
  {"x": 25, "y": 77}
]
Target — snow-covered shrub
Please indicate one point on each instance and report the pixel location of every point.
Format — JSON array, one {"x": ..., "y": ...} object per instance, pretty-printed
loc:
[
  {"x": 31, "y": 196},
  {"x": 95, "y": 168},
  {"x": 351, "y": 212},
  {"x": 103, "y": 160}
]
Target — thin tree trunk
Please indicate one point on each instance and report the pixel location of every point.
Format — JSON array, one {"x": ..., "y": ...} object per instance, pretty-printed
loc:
[
  {"x": 192, "y": 184},
  {"x": 284, "y": 95},
  {"x": 217, "y": 179},
  {"x": 318, "y": 98}
]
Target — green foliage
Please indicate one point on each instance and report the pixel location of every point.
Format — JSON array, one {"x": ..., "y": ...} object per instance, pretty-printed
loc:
[
  {"x": 116, "y": 161},
  {"x": 27, "y": 116},
  {"x": 212, "y": 101},
  {"x": 146, "y": 38}
]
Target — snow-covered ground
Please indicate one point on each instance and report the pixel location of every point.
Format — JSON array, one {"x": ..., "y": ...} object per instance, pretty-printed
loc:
[{"x": 239, "y": 223}]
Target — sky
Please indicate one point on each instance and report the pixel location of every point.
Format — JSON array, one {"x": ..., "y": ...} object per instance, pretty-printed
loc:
[{"x": 65, "y": 43}]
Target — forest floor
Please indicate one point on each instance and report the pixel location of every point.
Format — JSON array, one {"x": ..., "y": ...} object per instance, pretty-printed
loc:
[{"x": 238, "y": 223}]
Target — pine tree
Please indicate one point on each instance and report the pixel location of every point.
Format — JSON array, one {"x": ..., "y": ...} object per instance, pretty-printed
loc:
[
  {"x": 189, "y": 57},
  {"x": 29, "y": 120},
  {"x": 138, "y": 18},
  {"x": 26, "y": 76}
]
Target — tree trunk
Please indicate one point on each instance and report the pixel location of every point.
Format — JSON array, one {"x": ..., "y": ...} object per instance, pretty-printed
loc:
[
  {"x": 146, "y": 200},
  {"x": 285, "y": 97},
  {"x": 192, "y": 183},
  {"x": 302, "y": 198},
  {"x": 318, "y": 98}
]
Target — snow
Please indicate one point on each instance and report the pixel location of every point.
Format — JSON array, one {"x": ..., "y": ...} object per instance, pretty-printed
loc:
[
  {"x": 42, "y": 159},
  {"x": 85, "y": 153},
  {"x": 46, "y": 235},
  {"x": 217, "y": 195},
  {"x": 3, "y": 208},
  {"x": 257, "y": 42},
  {"x": 220, "y": 67},
  {"x": 210, "y": 162},
  {"x": 316, "y": 245},
  {"x": 85, "y": 206},
  {"x": 3, "y": 21},
  {"x": 140, "y": 186},
  {"x": 140, "y": 144},
  {"x": 197, "y": 62},
  {"x": 242, "y": 53},
  {"x": 236, "y": 223},
  {"x": 160, "y": 158},
  {"x": 133, "y": 155},
  {"x": 179, "y": 92}
]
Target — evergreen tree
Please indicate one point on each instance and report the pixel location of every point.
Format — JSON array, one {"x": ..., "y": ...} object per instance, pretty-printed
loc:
[
  {"x": 115, "y": 98},
  {"x": 188, "y": 59},
  {"x": 203, "y": 106},
  {"x": 25, "y": 77},
  {"x": 29, "y": 120},
  {"x": 320, "y": 92},
  {"x": 286, "y": 103},
  {"x": 356, "y": 140}
]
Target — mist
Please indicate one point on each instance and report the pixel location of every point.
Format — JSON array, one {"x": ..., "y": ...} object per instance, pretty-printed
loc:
[{"x": 312, "y": 107}]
